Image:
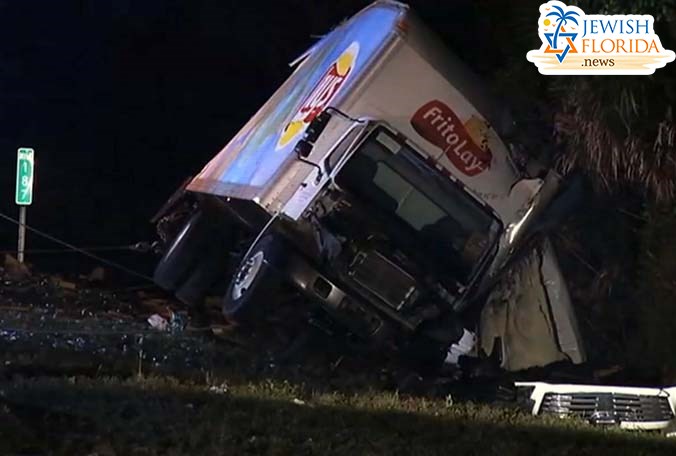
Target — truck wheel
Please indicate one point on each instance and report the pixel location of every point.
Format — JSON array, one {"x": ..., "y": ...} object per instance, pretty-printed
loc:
[
  {"x": 182, "y": 253},
  {"x": 211, "y": 266},
  {"x": 256, "y": 282}
]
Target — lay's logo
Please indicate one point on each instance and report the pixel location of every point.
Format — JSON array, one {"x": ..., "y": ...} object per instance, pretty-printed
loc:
[
  {"x": 321, "y": 95},
  {"x": 438, "y": 124}
]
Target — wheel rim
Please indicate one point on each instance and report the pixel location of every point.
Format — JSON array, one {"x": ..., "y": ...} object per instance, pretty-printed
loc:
[{"x": 246, "y": 275}]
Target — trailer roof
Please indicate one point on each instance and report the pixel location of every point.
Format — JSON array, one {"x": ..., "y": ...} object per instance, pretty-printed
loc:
[{"x": 250, "y": 161}]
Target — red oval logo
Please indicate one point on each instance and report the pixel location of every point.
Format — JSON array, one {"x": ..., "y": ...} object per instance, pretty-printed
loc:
[{"x": 438, "y": 124}]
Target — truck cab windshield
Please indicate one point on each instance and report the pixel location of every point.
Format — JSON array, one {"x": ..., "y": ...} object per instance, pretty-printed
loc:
[{"x": 438, "y": 219}]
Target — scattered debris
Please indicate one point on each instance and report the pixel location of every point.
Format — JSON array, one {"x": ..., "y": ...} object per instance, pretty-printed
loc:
[
  {"x": 158, "y": 322},
  {"x": 63, "y": 284},
  {"x": 221, "y": 330},
  {"x": 145, "y": 247},
  {"x": 93, "y": 331},
  {"x": 219, "y": 389},
  {"x": 178, "y": 321},
  {"x": 98, "y": 274},
  {"x": 15, "y": 271}
]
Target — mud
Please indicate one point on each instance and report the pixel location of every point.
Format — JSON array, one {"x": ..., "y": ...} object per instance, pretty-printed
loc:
[{"x": 69, "y": 326}]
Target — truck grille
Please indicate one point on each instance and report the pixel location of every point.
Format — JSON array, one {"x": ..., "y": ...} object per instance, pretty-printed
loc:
[
  {"x": 608, "y": 408},
  {"x": 383, "y": 278}
]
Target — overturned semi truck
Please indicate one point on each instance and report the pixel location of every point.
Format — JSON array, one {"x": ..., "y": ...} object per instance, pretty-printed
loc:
[{"x": 377, "y": 182}]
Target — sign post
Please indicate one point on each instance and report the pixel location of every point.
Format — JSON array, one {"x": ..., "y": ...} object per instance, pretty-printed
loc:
[{"x": 24, "y": 192}]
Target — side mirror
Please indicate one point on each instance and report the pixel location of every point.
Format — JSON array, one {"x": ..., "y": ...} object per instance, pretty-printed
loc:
[
  {"x": 317, "y": 126},
  {"x": 303, "y": 148}
]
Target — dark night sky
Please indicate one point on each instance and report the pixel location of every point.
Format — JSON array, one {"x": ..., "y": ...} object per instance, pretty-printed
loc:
[{"x": 122, "y": 100}]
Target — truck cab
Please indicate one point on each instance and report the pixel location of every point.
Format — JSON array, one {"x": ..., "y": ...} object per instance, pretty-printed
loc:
[
  {"x": 389, "y": 245},
  {"x": 383, "y": 239}
]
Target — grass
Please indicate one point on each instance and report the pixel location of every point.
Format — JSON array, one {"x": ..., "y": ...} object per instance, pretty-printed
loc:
[
  {"x": 72, "y": 385},
  {"x": 110, "y": 416}
]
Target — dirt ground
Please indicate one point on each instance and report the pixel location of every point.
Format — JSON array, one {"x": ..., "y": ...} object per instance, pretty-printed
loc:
[{"x": 84, "y": 373}]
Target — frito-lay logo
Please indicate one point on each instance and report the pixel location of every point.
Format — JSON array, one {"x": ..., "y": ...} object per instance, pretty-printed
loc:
[
  {"x": 438, "y": 124},
  {"x": 321, "y": 95}
]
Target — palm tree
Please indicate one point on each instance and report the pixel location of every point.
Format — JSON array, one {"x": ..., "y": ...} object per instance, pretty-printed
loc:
[
  {"x": 562, "y": 19},
  {"x": 619, "y": 131}
]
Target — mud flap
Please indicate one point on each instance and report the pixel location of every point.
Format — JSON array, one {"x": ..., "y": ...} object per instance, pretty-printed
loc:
[{"x": 531, "y": 313}]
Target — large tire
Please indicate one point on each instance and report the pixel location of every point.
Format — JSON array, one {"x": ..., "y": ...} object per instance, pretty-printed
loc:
[
  {"x": 256, "y": 281},
  {"x": 183, "y": 253},
  {"x": 209, "y": 268}
]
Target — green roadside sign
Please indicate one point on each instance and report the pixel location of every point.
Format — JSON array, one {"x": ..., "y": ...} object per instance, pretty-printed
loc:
[{"x": 24, "y": 176}]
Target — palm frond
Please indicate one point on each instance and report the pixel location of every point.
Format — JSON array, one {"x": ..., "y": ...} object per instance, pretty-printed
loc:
[
  {"x": 617, "y": 139},
  {"x": 559, "y": 9}
]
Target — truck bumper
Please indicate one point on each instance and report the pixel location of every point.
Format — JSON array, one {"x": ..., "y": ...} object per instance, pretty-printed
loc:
[{"x": 357, "y": 317}]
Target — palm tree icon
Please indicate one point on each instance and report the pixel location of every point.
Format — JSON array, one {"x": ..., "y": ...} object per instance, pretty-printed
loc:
[{"x": 562, "y": 18}]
